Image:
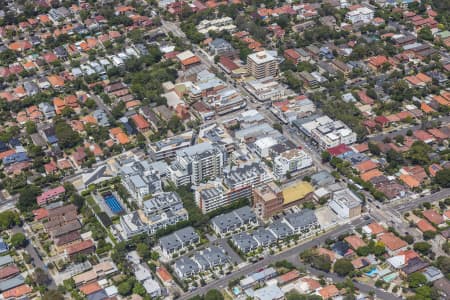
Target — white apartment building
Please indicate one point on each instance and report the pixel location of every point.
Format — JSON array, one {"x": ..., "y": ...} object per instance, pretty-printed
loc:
[
  {"x": 222, "y": 24},
  {"x": 166, "y": 149},
  {"x": 139, "y": 178},
  {"x": 266, "y": 89},
  {"x": 211, "y": 196},
  {"x": 345, "y": 204},
  {"x": 162, "y": 210},
  {"x": 263, "y": 146},
  {"x": 291, "y": 161},
  {"x": 197, "y": 163},
  {"x": 262, "y": 64},
  {"x": 360, "y": 14},
  {"x": 291, "y": 109},
  {"x": 328, "y": 133}
]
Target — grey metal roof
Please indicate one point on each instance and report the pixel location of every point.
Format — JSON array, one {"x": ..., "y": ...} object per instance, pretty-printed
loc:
[
  {"x": 186, "y": 265},
  {"x": 301, "y": 219},
  {"x": 264, "y": 236},
  {"x": 244, "y": 241},
  {"x": 6, "y": 260},
  {"x": 280, "y": 229},
  {"x": 11, "y": 283}
]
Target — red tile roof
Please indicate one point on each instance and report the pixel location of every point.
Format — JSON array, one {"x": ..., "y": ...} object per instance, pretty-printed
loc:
[
  {"x": 90, "y": 288},
  {"x": 9, "y": 271},
  {"x": 17, "y": 292},
  {"x": 79, "y": 247},
  {"x": 338, "y": 150},
  {"x": 424, "y": 225},
  {"x": 432, "y": 216},
  {"x": 392, "y": 242},
  {"x": 163, "y": 274},
  {"x": 355, "y": 241}
]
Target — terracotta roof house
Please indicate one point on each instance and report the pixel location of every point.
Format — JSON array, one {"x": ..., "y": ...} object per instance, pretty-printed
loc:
[
  {"x": 409, "y": 180},
  {"x": 424, "y": 225},
  {"x": 432, "y": 216},
  {"x": 376, "y": 228},
  {"x": 141, "y": 124},
  {"x": 366, "y": 166},
  {"x": 329, "y": 253},
  {"x": 392, "y": 242},
  {"x": 438, "y": 134},
  {"x": 376, "y": 62},
  {"x": 18, "y": 292},
  {"x": 50, "y": 195},
  {"x": 56, "y": 81},
  {"x": 8, "y": 271},
  {"x": 288, "y": 277},
  {"x": 84, "y": 247},
  {"x": 163, "y": 274},
  {"x": 433, "y": 169},
  {"x": 90, "y": 288},
  {"x": 20, "y": 46},
  {"x": 329, "y": 291},
  {"x": 355, "y": 241},
  {"x": 423, "y": 136},
  {"x": 371, "y": 174}
]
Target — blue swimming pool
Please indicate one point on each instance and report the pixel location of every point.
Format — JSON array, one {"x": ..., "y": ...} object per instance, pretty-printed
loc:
[
  {"x": 113, "y": 204},
  {"x": 372, "y": 272}
]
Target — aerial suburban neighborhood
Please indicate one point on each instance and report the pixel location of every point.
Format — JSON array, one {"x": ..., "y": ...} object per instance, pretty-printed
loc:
[{"x": 220, "y": 150}]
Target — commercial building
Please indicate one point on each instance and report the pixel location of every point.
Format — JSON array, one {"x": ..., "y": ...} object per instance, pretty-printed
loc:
[
  {"x": 262, "y": 64},
  {"x": 267, "y": 200},
  {"x": 290, "y": 162},
  {"x": 266, "y": 89},
  {"x": 296, "y": 193},
  {"x": 328, "y": 133},
  {"x": 292, "y": 109},
  {"x": 345, "y": 204},
  {"x": 226, "y": 101}
]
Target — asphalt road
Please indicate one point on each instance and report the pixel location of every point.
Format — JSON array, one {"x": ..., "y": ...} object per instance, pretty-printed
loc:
[
  {"x": 37, "y": 261},
  {"x": 292, "y": 255},
  {"x": 411, "y": 204},
  {"x": 379, "y": 137}
]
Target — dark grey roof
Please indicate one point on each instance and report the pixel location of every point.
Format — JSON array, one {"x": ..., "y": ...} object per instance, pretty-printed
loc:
[
  {"x": 280, "y": 229},
  {"x": 301, "y": 219},
  {"x": 264, "y": 236},
  {"x": 186, "y": 265},
  {"x": 244, "y": 241}
]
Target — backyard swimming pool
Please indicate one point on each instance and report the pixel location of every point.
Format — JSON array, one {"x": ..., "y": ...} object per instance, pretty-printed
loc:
[
  {"x": 372, "y": 272},
  {"x": 112, "y": 203}
]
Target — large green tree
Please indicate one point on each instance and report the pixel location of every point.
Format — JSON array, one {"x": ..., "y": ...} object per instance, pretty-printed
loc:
[
  {"x": 343, "y": 267},
  {"x": 18, "y": 240},
  {"x": 67, "y": 137},
  {"x": 416, "y": 280},
  {"x": 213, "y": 295}
]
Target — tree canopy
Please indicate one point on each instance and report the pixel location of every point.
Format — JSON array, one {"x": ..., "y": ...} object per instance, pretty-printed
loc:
[
  {"x": 18, "y": 240},
  {"x": 343, "y": 267}
]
